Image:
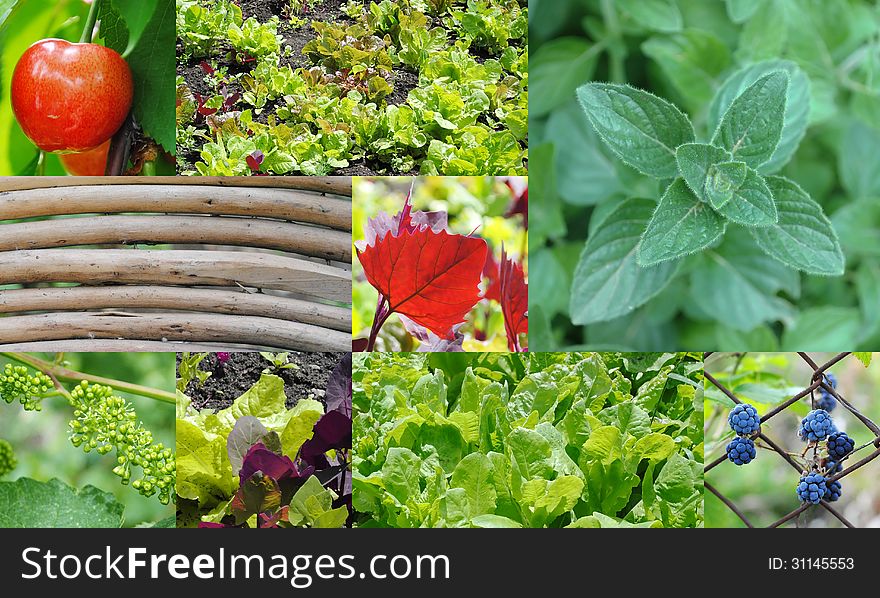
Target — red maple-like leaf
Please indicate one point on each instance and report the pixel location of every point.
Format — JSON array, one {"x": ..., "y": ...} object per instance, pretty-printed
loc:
[
  {"x": 514, "y": 301},
  {"x": 430, "y": 277}
]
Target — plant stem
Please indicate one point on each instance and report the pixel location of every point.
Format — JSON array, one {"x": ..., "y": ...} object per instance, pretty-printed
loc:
[
  {"x": 378, "y": 320},
  {"x": 41, "y": 164},
  {"x": 616, "y": 49},
  {"x": 90, "y": 22},
  {"x": 55, "y": 371}
]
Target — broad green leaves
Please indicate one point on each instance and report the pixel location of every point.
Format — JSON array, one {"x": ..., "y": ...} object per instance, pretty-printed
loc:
[
  {"x": 681, "y": 225},
  {"x": 573, "y": 453},
  {"x": 752, "y": 125},
  {"x": 691, "y": 61},
  {"x": 657, "y": 15},
  {"x": 559, "y": 67},
  {"x": 28, "y": 503},
  {"x": 803, "y": 238},
  {"x": 607, "y": 281},
  {"x": 642, "y": 129}
]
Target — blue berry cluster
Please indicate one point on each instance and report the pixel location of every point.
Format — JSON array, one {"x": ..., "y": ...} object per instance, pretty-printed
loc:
[
  {"x": 826, "y": 400},
  {"x": 741, "y": 450},
  {"x": 816, "y": 426},
  {"x": 839, "y": 445},
  {"x": 832, "y": 491},
  {"x": 811, "y": 488},
  {"x": 744, "y": 421}
]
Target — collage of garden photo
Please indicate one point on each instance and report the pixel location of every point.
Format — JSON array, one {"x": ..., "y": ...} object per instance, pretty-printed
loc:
[{"x": 301, "y": 298}]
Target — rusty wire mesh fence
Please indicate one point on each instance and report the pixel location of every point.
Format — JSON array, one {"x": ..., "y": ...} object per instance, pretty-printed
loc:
[{"x": 849, "y": 463}]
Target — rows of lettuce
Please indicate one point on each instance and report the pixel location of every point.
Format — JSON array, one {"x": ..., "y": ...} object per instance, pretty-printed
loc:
[
  {"x": 527, "y": 440},
  {"x": 468, "y": 113}
]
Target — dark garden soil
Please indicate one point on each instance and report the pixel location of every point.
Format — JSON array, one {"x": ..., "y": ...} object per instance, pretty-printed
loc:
[{"x": 242, "y": 370}]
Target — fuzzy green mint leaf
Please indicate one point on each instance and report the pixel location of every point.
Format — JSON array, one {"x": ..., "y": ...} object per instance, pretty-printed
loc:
[
  {"x": 723, "y": 181},
  {"x": 656, "y": 15},
  {"x": 28, "y": 503},
  {"x": 752, "y": 126},
  {"x": 803, "y": 238},
  {"x": 607, "y": 282},
  {"x": 797, "y": 108},
  {"x": 752, "y": 203},
  {"x": 681, "y": 225},
  {"x": 642, "y": 129},
  {"x": 694, "y": 162}
]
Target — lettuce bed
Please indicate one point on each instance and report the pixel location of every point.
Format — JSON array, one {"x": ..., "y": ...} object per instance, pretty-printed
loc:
[
  {"x": 320, "y": 87},
  {"x": 256, "y": 463},
  {"x": 528, "y": 440}
]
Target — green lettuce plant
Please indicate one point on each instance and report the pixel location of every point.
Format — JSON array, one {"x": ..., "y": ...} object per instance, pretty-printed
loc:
[{"x": 527, "y": 440}]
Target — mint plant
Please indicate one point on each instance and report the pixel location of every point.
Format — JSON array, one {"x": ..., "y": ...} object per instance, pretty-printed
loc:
[
  {"x": 703, "y": 175},
  {"x": 715, "y": 184}
]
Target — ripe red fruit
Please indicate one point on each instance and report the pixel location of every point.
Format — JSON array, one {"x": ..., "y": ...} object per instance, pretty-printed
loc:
[
  {"x": 70, "y": 97},
  {"x": 89, "y": 163}
]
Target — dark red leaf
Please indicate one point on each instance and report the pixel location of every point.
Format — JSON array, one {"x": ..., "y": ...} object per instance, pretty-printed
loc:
[
  {"x": 514, "y": 300},
  {"x": 254, "y": 159},
  {"x": 359, "y": 345},
  {"x": 207, "y": 68},
  {"x": 492, "y": 272},
  {"x": 431, "y": 277}
]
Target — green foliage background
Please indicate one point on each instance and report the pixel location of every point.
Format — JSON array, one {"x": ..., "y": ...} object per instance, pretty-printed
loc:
[
  {"x": 41, "y": 440},
  {"x": 683, "y": 51},
  {"x": 765, "y": 488}
]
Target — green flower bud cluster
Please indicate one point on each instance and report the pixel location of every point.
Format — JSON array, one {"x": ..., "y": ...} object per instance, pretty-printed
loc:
[
  {"x": 16, "y": 384},
  {"x": 7, "y": 458},
  {"x": 105, "y": 422}
]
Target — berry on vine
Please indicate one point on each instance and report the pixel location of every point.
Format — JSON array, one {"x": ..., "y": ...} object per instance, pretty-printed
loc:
[
  {"x": 833, "y": 490},
  {"x": 744, "y": 420},
  {"x": 840, "y": 445},
  {"x": 811, "y": 488},
  {"x": 741, "y": 450},
  {"x": 7, "y": 458},
  {"x": 832, "y": 466},
  {"x": 817, "y": 425}
]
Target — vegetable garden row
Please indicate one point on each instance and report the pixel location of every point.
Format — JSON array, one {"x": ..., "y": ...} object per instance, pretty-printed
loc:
[{"x": 330, "y": 87}]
